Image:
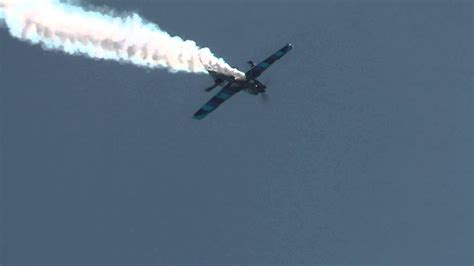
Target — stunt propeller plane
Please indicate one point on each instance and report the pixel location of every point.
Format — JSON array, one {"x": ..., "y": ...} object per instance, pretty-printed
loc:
[{"x": 249, "y": 84}]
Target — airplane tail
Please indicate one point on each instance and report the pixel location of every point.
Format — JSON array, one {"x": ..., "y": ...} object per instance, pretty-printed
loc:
[{"x": 211, "y": 88}]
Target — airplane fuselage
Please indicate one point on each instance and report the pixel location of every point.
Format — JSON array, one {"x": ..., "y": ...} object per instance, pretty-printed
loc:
[{"x": 251, "y": 86}]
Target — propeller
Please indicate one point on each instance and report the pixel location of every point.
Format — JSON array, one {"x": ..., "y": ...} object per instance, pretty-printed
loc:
[
  {"x": 268, "y": 81},
  {"x": 264, "y": 97}
]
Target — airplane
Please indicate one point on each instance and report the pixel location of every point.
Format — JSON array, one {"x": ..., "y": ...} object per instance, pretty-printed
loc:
[{"x": 249, "y": 83}]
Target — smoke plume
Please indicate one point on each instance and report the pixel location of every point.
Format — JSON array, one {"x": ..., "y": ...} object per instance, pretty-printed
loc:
[{"x": 56, "y": 25}]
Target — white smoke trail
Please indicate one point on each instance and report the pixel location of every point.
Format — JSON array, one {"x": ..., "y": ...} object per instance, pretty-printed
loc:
[{"x": 71, "y": 29}]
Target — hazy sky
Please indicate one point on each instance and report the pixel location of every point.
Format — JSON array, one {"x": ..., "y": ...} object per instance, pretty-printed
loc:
[{"x": 363, "y": 153}]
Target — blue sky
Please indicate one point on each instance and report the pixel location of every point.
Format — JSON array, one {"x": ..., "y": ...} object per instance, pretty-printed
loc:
[{"x": 362, "y": 154}]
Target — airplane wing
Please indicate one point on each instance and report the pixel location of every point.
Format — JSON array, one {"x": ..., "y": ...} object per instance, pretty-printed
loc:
[
  {"x": 215, "y": 101},
  {"x": 262, "y": 66}
]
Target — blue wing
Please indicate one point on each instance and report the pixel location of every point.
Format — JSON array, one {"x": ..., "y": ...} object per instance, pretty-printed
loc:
[
  {"x": 217, "y": 100},
  {"x": 262, "y": 66}
]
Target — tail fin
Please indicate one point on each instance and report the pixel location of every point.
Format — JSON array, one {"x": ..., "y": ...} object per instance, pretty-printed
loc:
[{"x": 217, "y": 82}]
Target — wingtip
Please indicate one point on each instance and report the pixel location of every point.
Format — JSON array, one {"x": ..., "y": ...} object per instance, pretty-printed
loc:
[{"x": 198, "y": 117}]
